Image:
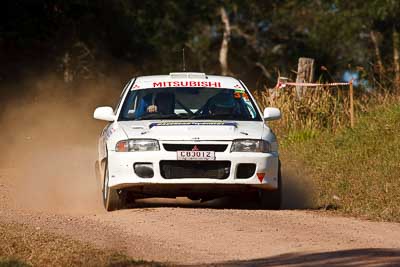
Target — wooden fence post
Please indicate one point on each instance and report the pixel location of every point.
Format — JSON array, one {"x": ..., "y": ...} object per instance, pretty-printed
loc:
[
  {"x": 305, "y": 74},
  {"x": 351, "y": 92}
]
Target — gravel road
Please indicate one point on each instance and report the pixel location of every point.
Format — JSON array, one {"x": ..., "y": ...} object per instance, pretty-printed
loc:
[{"x": 185, "y": 232}]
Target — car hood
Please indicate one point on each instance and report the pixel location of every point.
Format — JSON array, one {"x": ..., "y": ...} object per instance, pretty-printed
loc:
[{"x": 193, "y": 130}]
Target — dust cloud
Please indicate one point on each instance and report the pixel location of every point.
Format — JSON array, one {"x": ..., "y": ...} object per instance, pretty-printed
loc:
[
  {"x": 49, "y": 144},
  {"x": 298, "y": 189}
]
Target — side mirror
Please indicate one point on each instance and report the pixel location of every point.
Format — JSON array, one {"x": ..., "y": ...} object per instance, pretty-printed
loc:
[
  {"x": 104, "y": 114},
  {"x": 271, "y": 114}
]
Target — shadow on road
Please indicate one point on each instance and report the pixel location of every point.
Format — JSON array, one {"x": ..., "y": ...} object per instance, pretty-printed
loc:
[
  {"x": 344, "y": 258},
  {"x": 182, "y": 202}
]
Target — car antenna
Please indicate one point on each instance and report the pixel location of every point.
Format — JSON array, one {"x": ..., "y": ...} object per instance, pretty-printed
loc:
[{"x": 183, "y": 59}]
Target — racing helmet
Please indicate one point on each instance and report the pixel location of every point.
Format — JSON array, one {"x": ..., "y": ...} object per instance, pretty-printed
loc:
[{"x": 222, "y": 103}]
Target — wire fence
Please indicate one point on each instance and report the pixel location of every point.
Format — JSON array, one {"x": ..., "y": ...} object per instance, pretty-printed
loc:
[{"x": 312, "y": 105}]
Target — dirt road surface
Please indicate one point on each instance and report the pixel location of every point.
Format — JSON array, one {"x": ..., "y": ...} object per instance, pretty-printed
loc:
[
  {"x": 185, "y": 232},
  {"x": 47, "y": 182}
]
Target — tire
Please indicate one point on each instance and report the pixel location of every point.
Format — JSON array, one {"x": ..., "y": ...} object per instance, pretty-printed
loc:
[
  {"x": 272, "y": 200},
  {"x": 111, "y": 198}
]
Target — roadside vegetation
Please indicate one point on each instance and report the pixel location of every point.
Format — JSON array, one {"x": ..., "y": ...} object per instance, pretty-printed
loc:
[
  {"x": 22, "y": 246},
  {"x": 354, "y": 171}
]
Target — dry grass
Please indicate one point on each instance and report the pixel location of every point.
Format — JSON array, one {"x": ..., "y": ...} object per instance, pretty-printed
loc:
[
  {"x": 21, "y": 245},
  {"x": 355, "y": 171},
  {"x": 319, "y": 108}
]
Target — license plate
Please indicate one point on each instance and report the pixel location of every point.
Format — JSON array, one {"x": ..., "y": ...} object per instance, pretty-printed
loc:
[{"x": 195, "y": 155}]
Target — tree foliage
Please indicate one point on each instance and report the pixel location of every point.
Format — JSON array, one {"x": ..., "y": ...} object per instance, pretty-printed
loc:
[{"x": 266, "y": 40}]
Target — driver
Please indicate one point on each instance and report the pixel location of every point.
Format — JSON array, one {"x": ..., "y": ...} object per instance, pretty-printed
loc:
[{"x": 164, "y": 103}]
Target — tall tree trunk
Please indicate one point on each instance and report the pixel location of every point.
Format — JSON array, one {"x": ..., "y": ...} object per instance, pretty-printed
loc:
[
  {"x": 223, "y": 52},
  {"x": 396, "y": 64},
  {"x": 375, "y": 42}
]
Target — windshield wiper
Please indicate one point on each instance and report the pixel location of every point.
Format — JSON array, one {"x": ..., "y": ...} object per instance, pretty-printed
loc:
[
  {"x": 213, "y": 116},
  {"x": 158, "y": 116}
]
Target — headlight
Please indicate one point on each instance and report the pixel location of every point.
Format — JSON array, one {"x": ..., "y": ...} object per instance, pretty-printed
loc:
[
  {"x": 250, "y": 145},
  {"x": 137, "y": 145}
]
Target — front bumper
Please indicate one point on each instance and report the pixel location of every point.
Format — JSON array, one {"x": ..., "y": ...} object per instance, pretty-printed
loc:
[{"x": 122, "y": 174}]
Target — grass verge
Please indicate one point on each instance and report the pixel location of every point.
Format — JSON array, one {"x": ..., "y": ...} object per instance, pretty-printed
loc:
[
  {"x": 356, "y": 171},
  {"x": 22, "y": 246}
]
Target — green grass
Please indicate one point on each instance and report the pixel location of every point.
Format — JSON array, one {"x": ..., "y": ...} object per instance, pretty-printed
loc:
[{"x": 356, "y": 170}]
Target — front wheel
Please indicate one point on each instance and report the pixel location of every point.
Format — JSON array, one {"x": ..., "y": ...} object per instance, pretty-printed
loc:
[
  {"x": 272, "y": 200},
  {"x": 111, "y": 198}
]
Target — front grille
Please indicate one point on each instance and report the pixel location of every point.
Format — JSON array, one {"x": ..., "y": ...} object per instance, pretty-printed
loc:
[
  {"x": 200, "y": 147},
  {"x": 177, "y": 169}
]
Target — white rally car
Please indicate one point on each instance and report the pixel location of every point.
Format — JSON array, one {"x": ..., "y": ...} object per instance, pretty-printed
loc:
[{"x": 188, "y": 134}]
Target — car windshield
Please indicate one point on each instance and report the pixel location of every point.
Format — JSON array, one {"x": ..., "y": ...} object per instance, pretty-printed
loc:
[{"x": 191, "y": 103}]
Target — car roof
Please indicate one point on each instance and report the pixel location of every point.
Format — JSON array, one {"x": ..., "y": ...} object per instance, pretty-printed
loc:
[{"x": 186, "y": 79}]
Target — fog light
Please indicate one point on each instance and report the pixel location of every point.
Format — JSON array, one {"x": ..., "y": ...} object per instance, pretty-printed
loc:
[
  {"x": 144, "y": 170},
  {"x": 245, "y": 170}
]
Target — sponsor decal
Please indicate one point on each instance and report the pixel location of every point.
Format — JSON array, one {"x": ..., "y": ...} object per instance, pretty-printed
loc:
[
  {"x": 187, "y": 84},
  {"x": 183, "y": 123},
  {"x": 110, "y": 130}
]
